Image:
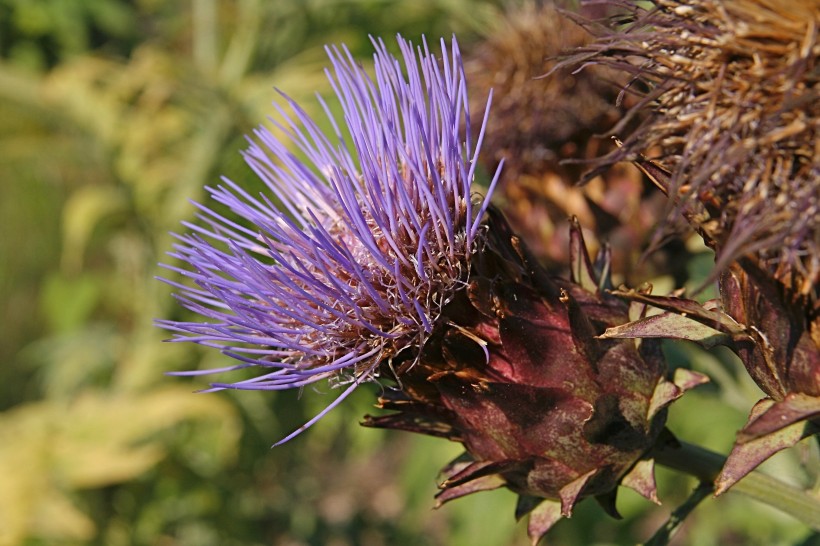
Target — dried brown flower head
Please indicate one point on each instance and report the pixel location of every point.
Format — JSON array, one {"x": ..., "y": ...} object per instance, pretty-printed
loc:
[
  {"x": 734, "y": 112},
  {"x": 544, "y": 125},
  {"x": 538, "y": 121},
  {"x": 733, "y": 108}
]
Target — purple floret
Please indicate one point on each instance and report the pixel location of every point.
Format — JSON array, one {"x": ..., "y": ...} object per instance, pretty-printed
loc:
[{"x": 348, "y": 257}]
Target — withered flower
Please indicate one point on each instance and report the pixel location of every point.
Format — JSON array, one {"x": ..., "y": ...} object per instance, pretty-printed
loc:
[
  {"x": 538, "y": 121},
  {"x": 547, "y": 127},
  {"x": 733, "y": 113}
]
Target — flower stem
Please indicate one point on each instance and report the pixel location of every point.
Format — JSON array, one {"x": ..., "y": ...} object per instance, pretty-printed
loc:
[
  {"x": 706, "y": 465},
  {"x": 672, "y": 526}
]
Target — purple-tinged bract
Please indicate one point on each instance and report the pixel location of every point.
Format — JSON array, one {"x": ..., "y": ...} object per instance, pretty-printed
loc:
[{"x": 348, "y": 256}]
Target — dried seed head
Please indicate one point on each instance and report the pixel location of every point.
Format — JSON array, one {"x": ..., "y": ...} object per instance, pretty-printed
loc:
[
  {"x": 733, "y": 113},
  {"x": 538, "y": 121},
  {"x": 548, "y": 125}
]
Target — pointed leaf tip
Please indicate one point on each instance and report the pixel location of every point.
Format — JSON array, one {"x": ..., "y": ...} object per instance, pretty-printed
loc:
[
  {"x": 484, "y": 483},
  {"x": 796, "y": 407},
  {"x": 688, "y": 379},
  {"x": 667, "y": 392},
  {"x": 472, "y": 471},
  {"x": 641, "y": 479},
  {"x": 657, "y": 173},
  {"x": 748, "y": 453},
  {"x": 569, "y": 493},
  {"x": 670, "y": 326},
  {"x": 745, "y": 457},
  {"x": 542, "y": 518},
  {"x": 685, "y": 307},
  {"x": 581, "y": 270}
]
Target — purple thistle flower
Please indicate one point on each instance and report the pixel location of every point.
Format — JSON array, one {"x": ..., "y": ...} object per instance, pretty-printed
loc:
[{"x": 349, "y": 256}]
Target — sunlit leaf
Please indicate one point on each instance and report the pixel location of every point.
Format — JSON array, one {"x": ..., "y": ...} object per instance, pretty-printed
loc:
[{"x": 99, "y": 439}]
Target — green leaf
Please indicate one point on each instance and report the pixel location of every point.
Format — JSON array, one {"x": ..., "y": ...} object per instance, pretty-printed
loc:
[
  {"x": 68, "y": 303},
  {"x": 83, "y": 212},
  {"x": 49, "y": 449}
]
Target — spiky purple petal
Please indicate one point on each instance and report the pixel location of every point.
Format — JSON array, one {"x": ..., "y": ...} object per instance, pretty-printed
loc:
[{"x": 348, "y": 256}]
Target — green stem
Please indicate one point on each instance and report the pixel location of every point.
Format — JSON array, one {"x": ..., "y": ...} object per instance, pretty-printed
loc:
[
  {"x": 665, "y": 533},
  {"x": 706, "y": 465}
]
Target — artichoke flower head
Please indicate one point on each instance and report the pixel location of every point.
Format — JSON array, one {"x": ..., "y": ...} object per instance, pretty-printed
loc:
[
  {"x": 368, "y": 260},
  {"x": 347, "y": 258},
  {"x": 518, "y": 375},
  {"x": 733, "y": 118}
]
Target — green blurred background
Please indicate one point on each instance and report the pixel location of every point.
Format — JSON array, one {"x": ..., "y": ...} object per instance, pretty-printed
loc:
[{"x": 113, "y": 114}]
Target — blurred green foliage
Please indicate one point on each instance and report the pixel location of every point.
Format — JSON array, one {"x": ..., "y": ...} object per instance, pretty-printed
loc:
[{"x": 113, "y": 113}]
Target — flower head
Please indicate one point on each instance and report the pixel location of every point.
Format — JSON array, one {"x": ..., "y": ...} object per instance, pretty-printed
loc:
[
  {"x": 520, "y": 376},
  {"x": 733, "y": 113},
  {"x": 546, "y": 124},
  {"x": 348, "y": 257},
  {"x": 539, "y": 121}
]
